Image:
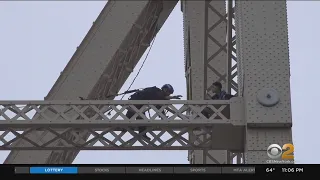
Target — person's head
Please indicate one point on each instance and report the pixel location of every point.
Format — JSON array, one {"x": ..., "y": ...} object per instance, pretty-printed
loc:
[
  {"x": 216, "y": 87},
  {"x": 167, "y": 89}
]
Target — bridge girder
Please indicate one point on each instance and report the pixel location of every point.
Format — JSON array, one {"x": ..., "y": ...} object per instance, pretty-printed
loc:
[
  {"x": 103, "y": 61},
  {"x": 261, "y": 64},
  {"x": 116, "y": 131}
]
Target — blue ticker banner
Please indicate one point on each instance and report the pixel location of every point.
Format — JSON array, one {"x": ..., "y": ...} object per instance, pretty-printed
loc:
[{"x": 53, "y": 170}]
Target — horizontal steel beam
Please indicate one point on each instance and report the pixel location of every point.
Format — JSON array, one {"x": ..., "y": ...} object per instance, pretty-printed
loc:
[
  {"x": 114, "y": 102},
  {"x": 126, "y": 138},
  {"x": 105, "y": 124},
  {"x": 55, "y": 120},
  {"x": 115, "y": 112}
]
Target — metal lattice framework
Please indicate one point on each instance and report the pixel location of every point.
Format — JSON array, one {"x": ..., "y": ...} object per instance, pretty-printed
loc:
[
  {"x": 230, "y": 76},
  {"x": 240, "y": 47},
  {"x": 114, "y": 132},
  {"x": 219, "y": 46}
]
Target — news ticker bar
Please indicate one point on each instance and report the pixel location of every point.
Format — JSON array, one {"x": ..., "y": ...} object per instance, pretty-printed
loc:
[
  {"x": 145, "y": 169},
  {"x": 133, "y": 170}
]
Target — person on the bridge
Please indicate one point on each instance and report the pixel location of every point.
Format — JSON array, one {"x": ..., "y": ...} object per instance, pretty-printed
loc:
[
  {"x": 219, "y": 94},
  {"x": 151, "y": 93}
]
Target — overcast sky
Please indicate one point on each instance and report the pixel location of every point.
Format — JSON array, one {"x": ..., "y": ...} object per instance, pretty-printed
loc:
[{"x": 37, "y": 39}]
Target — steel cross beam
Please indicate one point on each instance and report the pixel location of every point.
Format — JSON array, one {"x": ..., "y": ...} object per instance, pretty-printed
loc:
[
  {"x": 112, "y": 48},
  {"x": 245, "y": 123},
  {"x": 117, "y": 132}
]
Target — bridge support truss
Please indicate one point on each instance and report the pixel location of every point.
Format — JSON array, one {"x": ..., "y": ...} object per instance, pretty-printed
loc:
[
  {"x": 210, "y": 55},
  {"x": 253, "y": 69},
  {"x": 117, "y": 132},
  {"x": 264, "y": 75},
  {"x": 256, "y": 71}
]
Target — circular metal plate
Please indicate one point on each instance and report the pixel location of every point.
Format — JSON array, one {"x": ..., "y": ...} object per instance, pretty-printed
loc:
[{"x": 268, "y": 97}]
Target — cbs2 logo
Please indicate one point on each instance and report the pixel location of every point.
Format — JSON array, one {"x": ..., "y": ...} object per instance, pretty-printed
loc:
[{"x": 274, "y": 151}]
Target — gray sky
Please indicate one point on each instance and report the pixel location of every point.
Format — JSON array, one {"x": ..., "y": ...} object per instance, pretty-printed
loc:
[{"x": 37, "y": 40}]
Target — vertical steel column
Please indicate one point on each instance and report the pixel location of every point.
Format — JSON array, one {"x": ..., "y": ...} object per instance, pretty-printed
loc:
[
  {"x": 232, "y": 67},
  {"x": 205, "y": 59},
  {"x": 229, "y": 44},
  {"x": 263, "y": 55}
]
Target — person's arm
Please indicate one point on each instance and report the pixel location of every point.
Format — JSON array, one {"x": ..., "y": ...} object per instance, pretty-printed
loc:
[
  {"x": 173, "y": 97},
  {"x": 169, "y": 98}
]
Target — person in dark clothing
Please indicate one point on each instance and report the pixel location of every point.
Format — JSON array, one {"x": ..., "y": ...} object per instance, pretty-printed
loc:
[
  {"x": 219, "y": 94},
  {"x": 151, "y": 93}
]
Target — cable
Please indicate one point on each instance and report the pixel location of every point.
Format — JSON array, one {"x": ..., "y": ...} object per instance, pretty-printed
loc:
[
  {"x": 102, "y": 92},
  {"x": 145, "y": 59},
  {"x": 154, "y": 34}
]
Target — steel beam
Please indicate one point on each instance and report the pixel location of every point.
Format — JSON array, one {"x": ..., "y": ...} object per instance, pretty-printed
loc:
[
  {"x": 113, "y": 131},
  {"x": 232, "y": 68},
  {"x": 258, "y": 117},
  {"x": 263, "y": 55},
  {"x": 206, "y": 60},
  {"x": 102, "y": 63}
]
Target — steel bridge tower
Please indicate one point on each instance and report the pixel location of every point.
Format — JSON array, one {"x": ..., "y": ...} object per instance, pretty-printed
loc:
[{"x": 245, "y": 48}]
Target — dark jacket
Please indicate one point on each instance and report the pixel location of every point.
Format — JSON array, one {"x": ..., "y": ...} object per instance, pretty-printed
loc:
[
  {"x": 222, "y": 96},
  {"x": 151, "y": 93},
  {"x": 207, "y": 112}
]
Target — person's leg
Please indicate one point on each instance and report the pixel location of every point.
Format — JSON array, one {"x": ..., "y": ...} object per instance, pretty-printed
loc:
[
  {"x": 129, "y": 115},
  {"x": 142, "y": 128}
]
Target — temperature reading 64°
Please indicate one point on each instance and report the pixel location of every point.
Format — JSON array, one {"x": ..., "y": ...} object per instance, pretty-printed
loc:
[{"x": 270, "y": 169}]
